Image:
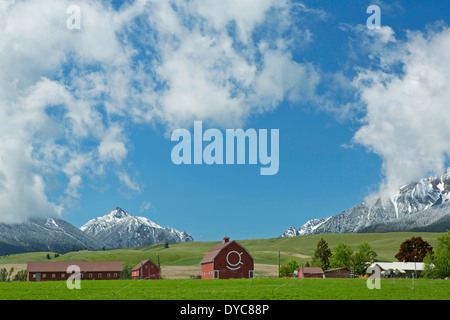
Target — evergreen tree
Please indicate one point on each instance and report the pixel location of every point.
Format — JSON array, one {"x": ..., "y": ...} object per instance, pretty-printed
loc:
[{"x": 322, "y": 254}]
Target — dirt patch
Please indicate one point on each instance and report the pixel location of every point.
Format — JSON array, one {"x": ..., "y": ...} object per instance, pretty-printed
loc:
[
  {"x": 298, "y": 255},
  {"x": 179, "y": 272},
  {"x": 186, "y": 272}
]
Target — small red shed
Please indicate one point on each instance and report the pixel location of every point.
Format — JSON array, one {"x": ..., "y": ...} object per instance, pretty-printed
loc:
[
  {"x": 227, "y": 260},
  {"x": 310, "y": 272},
  {"x": 145, "y": 269}
]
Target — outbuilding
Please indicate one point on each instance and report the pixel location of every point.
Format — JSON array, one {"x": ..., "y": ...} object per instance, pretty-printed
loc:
[
  {"x": 397, "y": 269},
  {"x": 227, "y": 260},
  {"x": 310, "y": 272},
  {"x": 145, "y": 269},
  {"x": 338, "y": 273},
  {"x": 62, "y": 270}
]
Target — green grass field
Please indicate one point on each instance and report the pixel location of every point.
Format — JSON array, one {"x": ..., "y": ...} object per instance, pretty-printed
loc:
[{"x": 233, "y": 289}]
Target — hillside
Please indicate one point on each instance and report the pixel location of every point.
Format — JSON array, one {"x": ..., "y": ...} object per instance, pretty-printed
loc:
[{"x": 263, "y": 250}]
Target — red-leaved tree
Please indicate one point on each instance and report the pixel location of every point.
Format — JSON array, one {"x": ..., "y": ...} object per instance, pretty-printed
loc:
[{"x": 414, "y": 247}]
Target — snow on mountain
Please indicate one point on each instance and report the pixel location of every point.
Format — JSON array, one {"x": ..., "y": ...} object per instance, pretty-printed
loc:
[
  {"x": 307, "y": 228},
  {"x": 119, "y": 229},
  {"x": 45, "y": 234},
  {"x": 423, "y": 205}
]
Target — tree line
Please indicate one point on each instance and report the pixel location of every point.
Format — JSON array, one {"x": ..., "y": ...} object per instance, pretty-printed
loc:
[
  {"x": 415, "y": 249},
  {"x": 342, "y": 257},
  {"x": 5, "y": 275}
]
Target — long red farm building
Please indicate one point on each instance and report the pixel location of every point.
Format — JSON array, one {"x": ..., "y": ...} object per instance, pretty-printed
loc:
[
  {"x": 89, "y": 270},
  {"x": 227, "y": 260}
]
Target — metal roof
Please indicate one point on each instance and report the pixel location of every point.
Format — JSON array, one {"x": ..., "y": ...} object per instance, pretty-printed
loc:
[
  {"x": 311, "y": 270},
  {"x": 400, "y": 266},
  {"x": 142, "y": 263}
]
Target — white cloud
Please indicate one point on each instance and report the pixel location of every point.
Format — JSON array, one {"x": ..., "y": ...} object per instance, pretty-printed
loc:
[
  {"x": 67, "y": 97},
  {"x": 145, "y": 206},
  {"x": 126, "y": 180},
  {"x": 407, "y": 118}
]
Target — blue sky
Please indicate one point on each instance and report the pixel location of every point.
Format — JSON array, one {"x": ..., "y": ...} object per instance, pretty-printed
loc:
[{"x": 87, "y": 113}]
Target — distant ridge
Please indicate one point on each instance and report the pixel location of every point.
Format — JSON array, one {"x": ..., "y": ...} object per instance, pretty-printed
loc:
[
  {"x": 45, "y": 234},
  {"x": 419, "y": 206}
]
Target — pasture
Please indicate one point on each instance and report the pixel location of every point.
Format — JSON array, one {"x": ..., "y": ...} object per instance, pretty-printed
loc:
[{"x": 232, "y": 289}]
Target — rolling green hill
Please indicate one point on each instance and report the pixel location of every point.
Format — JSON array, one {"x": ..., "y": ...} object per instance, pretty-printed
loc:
[{"x": 264, "y": 251}]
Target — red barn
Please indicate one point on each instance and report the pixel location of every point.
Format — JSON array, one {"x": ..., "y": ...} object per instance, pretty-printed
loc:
[
  {"x": 145, "y": 270},
  {"x": 89, "y": 270},
  {"x": 310, "y": 272},
  {"x": 227, "y": 260}
]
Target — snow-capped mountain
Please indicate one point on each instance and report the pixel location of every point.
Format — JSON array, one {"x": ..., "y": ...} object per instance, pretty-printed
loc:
[
  {"x": 119, "y": 229},
  {"x": 44, "y": 234},
  {"x": 423, "y": 205},
  {"x": 307, "y": 228}
]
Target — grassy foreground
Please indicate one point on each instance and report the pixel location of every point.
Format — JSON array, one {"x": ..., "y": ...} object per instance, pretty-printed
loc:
[{"x": 233, "y": 289}]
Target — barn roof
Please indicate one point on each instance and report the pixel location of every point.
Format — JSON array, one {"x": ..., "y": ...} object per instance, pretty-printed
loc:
[
  {"x": 336, "y": 269},
  {"x": 311, "y": 270},
  {"x": 85, "y": 266},
  {"x": 140, "y": 264},
  {"x": 212, "y": 254}
]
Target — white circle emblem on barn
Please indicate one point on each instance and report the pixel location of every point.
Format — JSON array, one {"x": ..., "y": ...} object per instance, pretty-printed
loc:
[{"x": 234, "y": 266}]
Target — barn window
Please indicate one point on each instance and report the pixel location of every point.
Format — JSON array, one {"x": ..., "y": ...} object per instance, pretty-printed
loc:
[
  {"x": 216, "y": 274},
  {"x": 63, "y": 275},
  {"x": 90, "y": 275},
  {"x": 109, "y": 275},
  {"x": 99, "y": 275},
  {"x": 53, "y": 275},
  {"x": 44, "y": 275},
  {"x": 115, "y": 274},
  {"x": 250, "y": 274}
]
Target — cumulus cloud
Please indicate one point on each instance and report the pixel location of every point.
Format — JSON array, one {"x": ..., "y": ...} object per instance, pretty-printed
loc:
[
  {"x": 68, "y": 97},
  {"x": 407, "y": 99}
]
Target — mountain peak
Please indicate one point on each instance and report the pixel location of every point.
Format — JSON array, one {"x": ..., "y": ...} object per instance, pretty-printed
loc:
[
  {"x": 119, "y": 213},
  {"x": 120, "y": 229}
]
